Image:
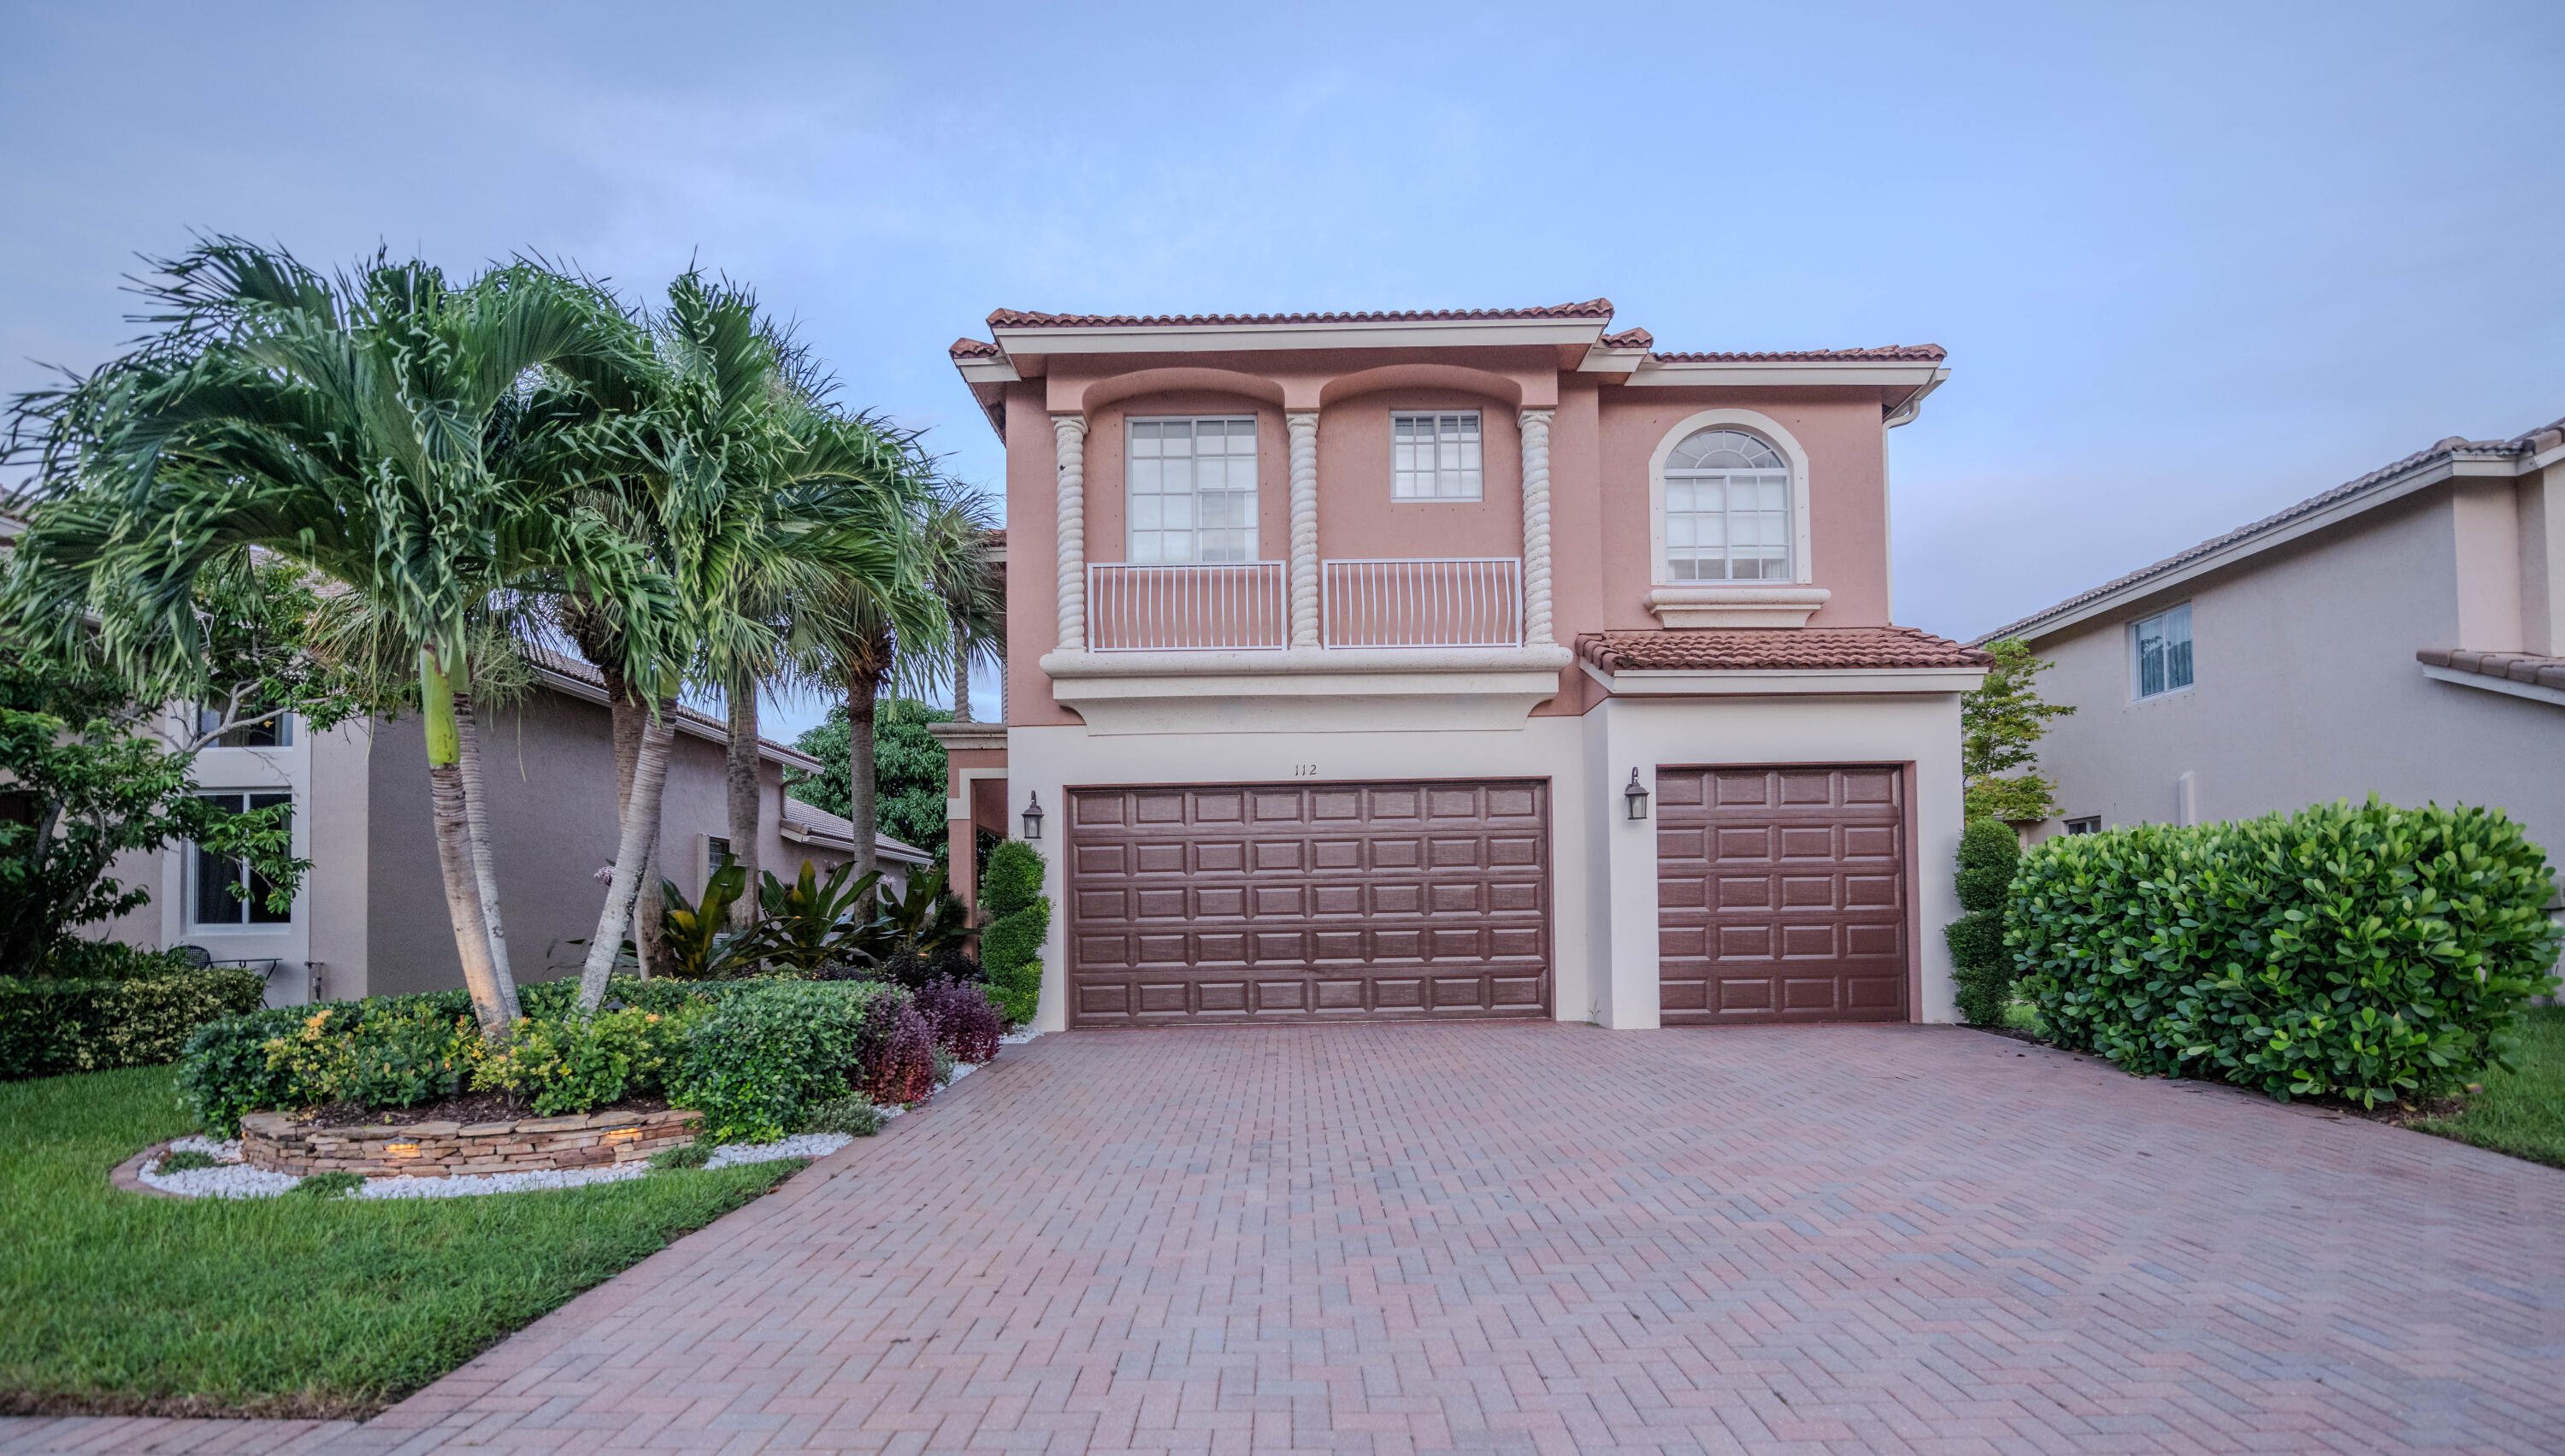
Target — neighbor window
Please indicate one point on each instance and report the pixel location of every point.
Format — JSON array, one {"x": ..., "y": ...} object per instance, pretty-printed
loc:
[
  {"x": 2091, "y": 825},
  {"x": 1728, "y": 509},
  {"x": 1434, "y": 457},
  {"x": 716, "y": 854},
  {"x": 276, "y": 732},
  {"x": 2163, "y": 651},
  {"x": 1192, "y": 490},
  {"x": 226, "y": 890}
]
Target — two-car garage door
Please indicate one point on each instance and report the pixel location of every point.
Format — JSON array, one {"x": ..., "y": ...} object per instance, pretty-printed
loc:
[
  {"x": 1417, "y": 901},
  {"x": 1782, "y": 896}
]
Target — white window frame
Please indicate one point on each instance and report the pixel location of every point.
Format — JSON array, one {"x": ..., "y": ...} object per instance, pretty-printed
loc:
[
  {"x": 1476, "y": 445},
  {"x": 2084, "y": 823},
  {"x": 191, "y": 881},
  {"x": 1254, "y": 497},
  {"x": 1752, "y": 422},
  {"x": 2137, "y": 664}
]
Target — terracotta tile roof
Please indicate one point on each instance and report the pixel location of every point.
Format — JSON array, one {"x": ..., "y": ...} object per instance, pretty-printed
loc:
[
  {"x": 1920, "y": 353},
  {"x": 974, "y": 349},
  {"x": 2545, "y": 437},
  {"x": 1018, "y": 319},
  {"x": 1772, "y": 649},
  {"x": 2516, "y": 667},
  {"x": 1629, "y": 339}
]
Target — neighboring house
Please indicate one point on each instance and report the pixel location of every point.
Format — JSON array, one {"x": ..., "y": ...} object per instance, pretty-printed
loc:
[
  {"x": 1454, "y": 665},
  {"x": 2402, "y": 634},
  {"x": 371, "y": 918}
]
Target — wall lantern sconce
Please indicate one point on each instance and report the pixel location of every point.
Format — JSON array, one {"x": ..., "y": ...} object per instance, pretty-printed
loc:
[
  {"x": 1033, "y": 815},
  {"x": 1635, "y": 797}
]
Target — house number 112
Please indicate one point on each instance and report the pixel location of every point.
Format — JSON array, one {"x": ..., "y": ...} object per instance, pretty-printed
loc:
[{"x": 1304, "y": 771}]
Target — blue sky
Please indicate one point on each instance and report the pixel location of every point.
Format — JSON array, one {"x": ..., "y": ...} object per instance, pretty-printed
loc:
[{"x": 2192, "y": 262}]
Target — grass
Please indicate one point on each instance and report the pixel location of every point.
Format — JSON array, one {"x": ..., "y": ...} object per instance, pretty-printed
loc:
[
  {"x": 123, "y": 1303},
  {"x": 2522, "y": 1111}
]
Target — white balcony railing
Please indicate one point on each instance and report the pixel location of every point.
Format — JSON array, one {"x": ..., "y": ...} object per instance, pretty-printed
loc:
[
  {"x": 1459, "y": 603},
  {"x": 1134, "y": 608}
]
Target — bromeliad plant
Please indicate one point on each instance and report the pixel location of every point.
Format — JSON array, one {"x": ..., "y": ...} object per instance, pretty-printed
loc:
[
  {"x": 812, "y": 922},
  {"x": 701, "y": 944}
]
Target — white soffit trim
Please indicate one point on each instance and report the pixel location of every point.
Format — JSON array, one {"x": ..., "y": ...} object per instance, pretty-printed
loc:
[
  {"x": 1231, "y": 337},
  {"x": 1769, "y": 371},
  {"x": 2394, "y": 488},
  {"x": 1807, "y": 681},
  {"x": 2489, "y": 683},
  {"x": 1000, "y": 371}
]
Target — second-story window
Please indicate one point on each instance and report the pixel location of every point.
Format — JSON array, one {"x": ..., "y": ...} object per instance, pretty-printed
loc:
[
  {"x": 2160, "y": 648},
  {"x": 1192, "y": 490},
  {"x": 1728, "y": 509},
  {"x": 1435, "y": 457}
]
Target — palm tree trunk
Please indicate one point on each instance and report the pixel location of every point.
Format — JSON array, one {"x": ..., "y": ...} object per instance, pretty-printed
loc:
[
  {"x": 961, "y": 673},
  {"x": 863, "y": 690},
  {"x": 650, "y": 913},
  {"x": 631, "y": 858},
  {"x": 454, "y": 848},
  {"x": 739, "y": 760},
  {"x": 485, "y": 874}
]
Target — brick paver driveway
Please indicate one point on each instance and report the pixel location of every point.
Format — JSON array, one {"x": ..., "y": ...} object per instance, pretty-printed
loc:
[{"x": 1554, "y": 1238}]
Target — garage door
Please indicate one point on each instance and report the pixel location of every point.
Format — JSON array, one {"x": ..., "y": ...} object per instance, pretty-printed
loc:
[
  {"x": 1781, "y": 894},
  {"x": 1308, "y": 903}
]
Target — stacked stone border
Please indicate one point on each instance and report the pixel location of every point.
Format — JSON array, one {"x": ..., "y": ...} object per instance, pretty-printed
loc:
[{"x": 279, "y": 1143}]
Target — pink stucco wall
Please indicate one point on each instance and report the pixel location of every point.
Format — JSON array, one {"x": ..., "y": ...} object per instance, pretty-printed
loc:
[{"x": 1603, "y": 439}]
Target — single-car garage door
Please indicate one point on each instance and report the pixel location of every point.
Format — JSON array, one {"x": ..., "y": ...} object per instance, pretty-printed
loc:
[
  {"x": 1308, "y": 903},
  {"x": 1781, "y": 894}
]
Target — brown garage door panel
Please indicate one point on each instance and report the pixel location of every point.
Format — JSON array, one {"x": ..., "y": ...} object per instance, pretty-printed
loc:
[
  {"x": 1781, "y": 895},
  {"x": 1286, "y": 902}
]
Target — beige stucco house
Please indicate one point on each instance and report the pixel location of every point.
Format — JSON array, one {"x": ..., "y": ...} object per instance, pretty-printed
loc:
[
  {"x": 1461, "y": 665},
  {"x": 371, "y": 918},
  {"x": 2402, "y": 634}
]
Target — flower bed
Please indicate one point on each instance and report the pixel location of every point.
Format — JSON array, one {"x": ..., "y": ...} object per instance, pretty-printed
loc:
[{"x": 281, "y": 1143}]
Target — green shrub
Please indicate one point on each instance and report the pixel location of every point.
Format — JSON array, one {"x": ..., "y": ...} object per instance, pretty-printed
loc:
[
  {"x": 574, "y": 1066},
  {"x": 335, "y": 1184},
  {"x": 51, "y": 1025},
  {"x": 2371, "y": 952},
  {"x": 76, "y": 959},
  {"x": 684, "y": 1155},
  {"x": 184, "y": 1161},
  {"x": 756, "y": 1064},
  {"x": 853, "y": 1117},
  {"x": 1981, "y": 970},
  {"x": 1019, "y": 919}
]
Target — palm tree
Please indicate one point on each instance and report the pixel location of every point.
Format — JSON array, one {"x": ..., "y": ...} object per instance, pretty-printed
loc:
[
  {"x": 749, "y": 498},
  {"x": 344, "y": 423},
  {"x": 871, "y": 641}
]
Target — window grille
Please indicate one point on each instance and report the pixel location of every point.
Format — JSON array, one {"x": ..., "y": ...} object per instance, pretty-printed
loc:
[
  {"x": 1728, "y": 510},
  {"x": 1435, "y": 457},
  {"x": 1192, "y": 490}
]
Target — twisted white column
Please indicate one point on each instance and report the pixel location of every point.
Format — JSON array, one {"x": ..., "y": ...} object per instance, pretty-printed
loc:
[
  {"x": 1536, "y": 505},
  {"x": 1304, "y": 430},
  {"x": 1069, "y": 431}
]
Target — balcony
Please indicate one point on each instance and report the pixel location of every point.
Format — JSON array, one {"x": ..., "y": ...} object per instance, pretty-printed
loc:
[
  {"x": 1212, "y": 648},
  {"x": 1189, "y": 608}
]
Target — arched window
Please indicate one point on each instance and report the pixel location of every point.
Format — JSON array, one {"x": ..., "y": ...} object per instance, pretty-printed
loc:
[{"x": 1728, "y": 509}]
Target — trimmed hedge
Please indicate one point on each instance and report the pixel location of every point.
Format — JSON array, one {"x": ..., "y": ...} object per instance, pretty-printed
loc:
[
  {"x": 2371, "y": 952},
  {"x": 753, "y": 1056},
  {"x": 49, "y": 1026},
  {"x": 1019, "y": 921},
  {"x": 1981, "y": 970}
]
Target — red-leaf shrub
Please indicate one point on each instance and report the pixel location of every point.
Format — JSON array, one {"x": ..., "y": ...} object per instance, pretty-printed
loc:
[
  {"x": 898, "y": 1062},
  {"x": 965, "y": 1023}
]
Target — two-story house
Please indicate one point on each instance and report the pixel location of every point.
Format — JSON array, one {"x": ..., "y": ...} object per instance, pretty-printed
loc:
[
  {"x": 2399, "y": 635},
  {"x": 1463, "y": 664}
]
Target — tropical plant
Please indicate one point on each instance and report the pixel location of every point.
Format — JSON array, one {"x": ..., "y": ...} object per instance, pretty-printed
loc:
[
  {"x": 701, "y": 943},
  {"x": 811, "y": 920},
  {"x": 2000, "y": 722},
  {"x": 351, "y": 425}
]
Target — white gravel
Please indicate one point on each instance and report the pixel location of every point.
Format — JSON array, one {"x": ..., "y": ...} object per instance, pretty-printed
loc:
[{"x": 233, "y": 1178}]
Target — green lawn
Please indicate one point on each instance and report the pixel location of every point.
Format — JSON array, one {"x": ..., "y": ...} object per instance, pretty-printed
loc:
[
  {"x": 2521, "y": 1112},
  {"x": 289, "y": 1306}
]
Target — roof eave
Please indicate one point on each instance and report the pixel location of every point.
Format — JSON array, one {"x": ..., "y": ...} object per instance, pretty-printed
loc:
[{"x": 1327, "y": 333}]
